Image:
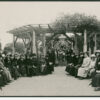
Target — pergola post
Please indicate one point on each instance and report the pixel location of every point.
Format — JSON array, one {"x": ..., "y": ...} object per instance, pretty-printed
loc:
[
  {"x": 75, "y": 47},
  {"x": 44, "y": 44},
  {"x": 37, "y": 48},
  {"x": 85, "y": 41},
  {"x": 89, "y": 49},
  {"x": 95, "y": 46},
  {"x": 24, "y": 41},
  {"x": 14, "y": 42},
  {"x": 33, "y": 42},
  {"x": 72, "y": 46}
]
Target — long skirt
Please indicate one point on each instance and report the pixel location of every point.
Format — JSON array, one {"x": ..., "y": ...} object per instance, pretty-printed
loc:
[
  {"x": 1, "y": 81},
  {"x": 50, "y": 69},
  {"x": 82, "y": 72},
  {"x": 96, "y": 81},
  {"x": 76, "y": 70},
  {"x": 43, "y": 70},
  {"x": 15, "y": 72},
  {"x": 22, "y": 70},
  {"x": 67, "y": 68},
  {"x": 8, "y": 75},
  {"x": 91, "y": 72},
  {"x": 72, "y": 71},
  {"x": 32, "y": 71}
]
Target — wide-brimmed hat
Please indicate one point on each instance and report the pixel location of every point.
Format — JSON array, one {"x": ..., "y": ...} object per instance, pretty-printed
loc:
[{"x": 93, "y": 56}]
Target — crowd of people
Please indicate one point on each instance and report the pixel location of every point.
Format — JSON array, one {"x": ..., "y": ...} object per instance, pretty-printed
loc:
[
  {"x": 27, "y": 65},
  {"x": 24, "y": 65},
  {"x": 83, "y": 67}
]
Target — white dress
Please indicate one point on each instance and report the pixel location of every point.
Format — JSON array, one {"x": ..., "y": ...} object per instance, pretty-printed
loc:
[
  {"x": 83, "y": 70},
  {"x": 91, "y": 67}
]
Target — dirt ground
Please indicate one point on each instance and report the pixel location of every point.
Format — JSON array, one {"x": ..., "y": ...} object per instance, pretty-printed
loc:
[{"x": 57, "y": 84}]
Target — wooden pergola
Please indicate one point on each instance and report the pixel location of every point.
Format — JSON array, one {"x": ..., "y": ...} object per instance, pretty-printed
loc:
[{"x": 30, "y": 34}]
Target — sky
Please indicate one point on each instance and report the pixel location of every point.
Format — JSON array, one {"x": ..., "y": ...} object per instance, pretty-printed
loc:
[{"x": 16, "y": 14}]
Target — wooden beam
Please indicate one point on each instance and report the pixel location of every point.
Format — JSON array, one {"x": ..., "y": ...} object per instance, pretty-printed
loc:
[
  {"x": 34, "y": 42},
  {"x": 85, "y": 41}
]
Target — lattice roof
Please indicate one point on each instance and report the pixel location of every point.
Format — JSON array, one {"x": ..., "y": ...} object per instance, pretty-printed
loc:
[{"x": 25, "y": 31}]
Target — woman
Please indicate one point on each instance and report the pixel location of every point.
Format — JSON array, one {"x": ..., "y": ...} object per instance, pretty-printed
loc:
[
  {"x": 83, "y": 70},
  {"x": 70, "y": 66},
  {"x": 22, "y": 67},
  {"x": 7, "y": 63},
  {"x": 50, "y": 59},
  {"x": 43, "y": 67},
  {"x": 80, "y": 61},
  {"x": 5, "y": 72},
  {"x": 15, "y": 67},
  {"x": 35, "y": 63},
  {"x": 92, "y": 65},
  {"x": 95, "y": 82},
  {"x": 28, "y": 65}
]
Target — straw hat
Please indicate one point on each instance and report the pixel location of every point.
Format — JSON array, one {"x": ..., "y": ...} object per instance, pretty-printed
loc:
[{"x": 93, "y": 56}]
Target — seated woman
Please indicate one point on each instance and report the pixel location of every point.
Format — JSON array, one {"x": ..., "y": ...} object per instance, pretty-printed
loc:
[
  {"x": 1, "y": 79},
  {"x": 83, "y": 70},
  {"x": 7, "y": 63},
  {"x": 95, "y": 82},
  {"x": 80, "y": 61},
  {"x": 22, "y": 67},
  {"x": 28, "y": 64},
  {"x": 4, "y": 72},
  {"x": 43, "y": 67},
  {"x": 91, "y": 69},
  {"x": 70, "y": 66},
  {"x": 75, "y": 59},
  {"x": 15, "y": 66},
  {"x": 69, "y": 63},
  {"x": 49, "y": 63},
  {"x": 34, "y": 69}
]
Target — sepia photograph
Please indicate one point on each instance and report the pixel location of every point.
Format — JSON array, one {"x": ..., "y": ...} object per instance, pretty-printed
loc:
[{"x": 49, "y": 49}]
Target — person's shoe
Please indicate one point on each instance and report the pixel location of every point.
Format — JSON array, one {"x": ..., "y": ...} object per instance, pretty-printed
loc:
[
  {"x": 1, "y": 88},
  {"x": 97, "y": 89},
  {"x": 76, "y": 76},
  {"x": 81, "y": 78}
]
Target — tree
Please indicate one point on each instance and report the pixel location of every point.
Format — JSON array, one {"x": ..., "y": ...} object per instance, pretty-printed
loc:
[
  {"x": 77, "y": 23},
  {"x": 19, "y": 48}
]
